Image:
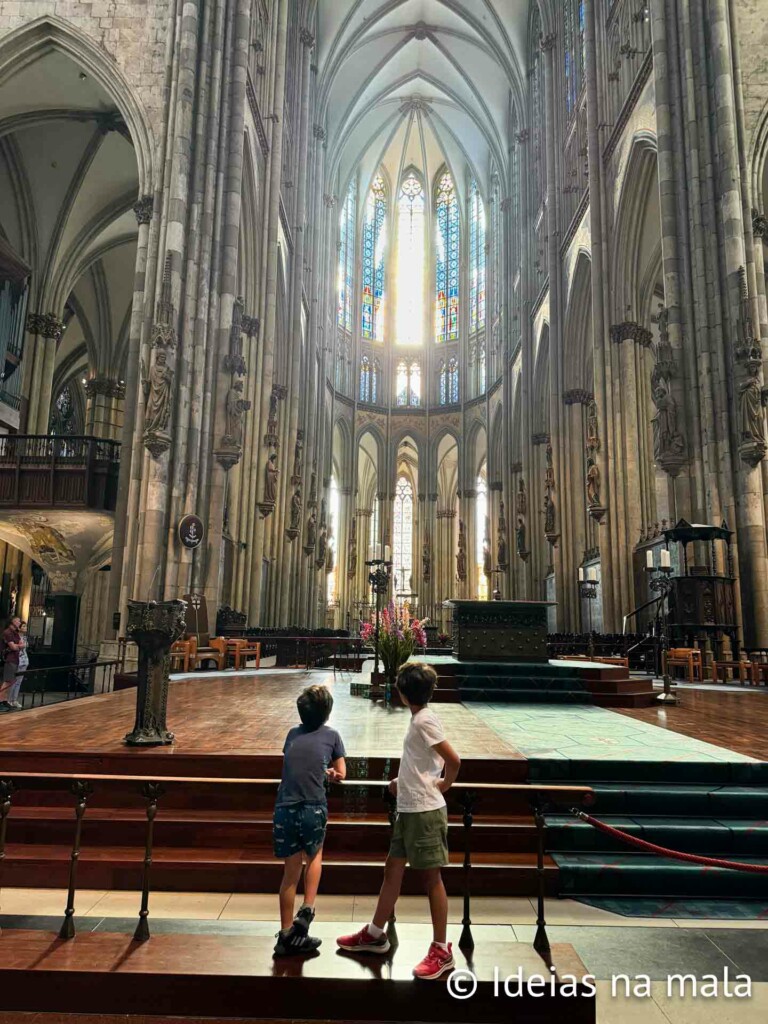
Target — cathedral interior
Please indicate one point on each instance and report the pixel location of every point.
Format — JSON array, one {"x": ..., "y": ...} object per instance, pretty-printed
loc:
[{"x": 472, "y": 289}]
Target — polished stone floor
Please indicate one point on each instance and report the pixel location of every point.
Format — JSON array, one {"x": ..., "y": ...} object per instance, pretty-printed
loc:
[{"x": 582, "y": 732}]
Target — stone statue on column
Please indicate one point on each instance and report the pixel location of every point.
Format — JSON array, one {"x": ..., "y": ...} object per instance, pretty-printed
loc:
[
  {"x": 297, "y": 458},
  {"x": 520, "y": 539},
  {"x": 426, "y": 558},
  {"x": 271, "y": 473},
  {"x": 461, "y": 554},
  {"x": 352, "y": 550},
  {"x": 751, "y": 396},
  {"x": 295, "y": 520},
  {"x": 311, "y": 538},
  {"x": 158, "y": 390},
  {"x": 501, "y": 539}
]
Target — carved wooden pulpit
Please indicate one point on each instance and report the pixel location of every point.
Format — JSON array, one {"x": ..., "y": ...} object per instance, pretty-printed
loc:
[{"x": 154, "y": 626}]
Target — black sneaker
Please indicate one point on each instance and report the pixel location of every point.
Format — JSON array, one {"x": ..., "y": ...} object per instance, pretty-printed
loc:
[
  {"x": 293, "y": 943},
  {"x": 5, "y": 706},
  {"x": 303, "y": 919}
]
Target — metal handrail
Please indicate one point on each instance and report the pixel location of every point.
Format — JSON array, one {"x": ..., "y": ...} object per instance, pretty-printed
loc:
[
  {"x": 82, "y": 785},
  {"x": 85, "y": 666}
]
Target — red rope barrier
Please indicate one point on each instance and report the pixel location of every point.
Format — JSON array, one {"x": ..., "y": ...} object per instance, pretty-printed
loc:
[{"x": 694, "y": 858}]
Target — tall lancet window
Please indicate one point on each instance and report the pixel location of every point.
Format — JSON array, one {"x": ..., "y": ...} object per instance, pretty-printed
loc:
[
  {"x": 374, "y": 235},
  {"x": 402, "y": 547},
  {"x": 536, "y": 75},
  {"x": 369, "y": 380},
  {"x": 446, "y": 261},
  {"x": 409, "y": 321},
  {"x": 408, "y": 383},
  {"x": 476, "y": 259},
  {"x": 573, "y": 51},
  {"x": 449, "y": 382},
  {"x": 347, "y": 257}
]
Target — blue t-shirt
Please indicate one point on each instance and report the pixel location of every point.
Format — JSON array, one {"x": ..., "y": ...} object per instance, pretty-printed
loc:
[{"x": 307, "y": 754}]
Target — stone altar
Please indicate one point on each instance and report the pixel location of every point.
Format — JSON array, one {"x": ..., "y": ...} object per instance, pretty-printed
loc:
[{"x": 500, "y": 630}]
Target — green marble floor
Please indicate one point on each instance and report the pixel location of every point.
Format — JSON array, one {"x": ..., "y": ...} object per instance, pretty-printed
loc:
[{"x": 583, "y": 732}]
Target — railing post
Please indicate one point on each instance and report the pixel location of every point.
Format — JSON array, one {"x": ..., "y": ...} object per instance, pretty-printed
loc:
[
  {"x": 151, "y": 791},
  {"x": 467, "y": 799},
  {"x": 541, "y": 941},
  {"x": 391, "y": 802},
  {"x": 82, "y": 790},
  {"x": 6, "y": 790}
]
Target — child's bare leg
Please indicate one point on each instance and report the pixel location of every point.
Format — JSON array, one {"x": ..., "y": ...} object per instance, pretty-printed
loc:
[
  {"x": 288, "y": 887},
  {"x": 312, "y": 877},
  {"x": 394, "y": 869},
  {"x": 438, "y": 903}
]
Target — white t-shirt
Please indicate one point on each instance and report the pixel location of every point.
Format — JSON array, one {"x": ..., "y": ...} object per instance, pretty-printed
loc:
[{"x": 421, "y": 766}]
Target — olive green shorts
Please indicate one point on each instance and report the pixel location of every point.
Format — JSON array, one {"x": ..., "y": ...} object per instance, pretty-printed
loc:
[{"x": 421, "y": 838}]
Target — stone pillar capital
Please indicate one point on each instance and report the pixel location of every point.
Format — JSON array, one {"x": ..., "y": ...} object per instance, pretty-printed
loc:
[
  {"x": 577, "y": 396},
  {"x": 630, "y": 330},
  {"x": 103, "y": 385},
  {"x": 143, "y": 209}
]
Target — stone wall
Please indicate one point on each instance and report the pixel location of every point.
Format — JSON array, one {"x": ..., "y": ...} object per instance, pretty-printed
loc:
[{"x": 132, "y": 32}]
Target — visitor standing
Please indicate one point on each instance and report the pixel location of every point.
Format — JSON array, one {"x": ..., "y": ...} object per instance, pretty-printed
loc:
[
  {"x": 312, "y": 752},
  {"x": 12, "y": 645},
  {"x": 428, "y": 768}
]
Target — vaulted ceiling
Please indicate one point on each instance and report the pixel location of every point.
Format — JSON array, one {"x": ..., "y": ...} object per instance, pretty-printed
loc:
[
  {"x": 419, "y": 82},
  {"x": 68, "y": 181}
]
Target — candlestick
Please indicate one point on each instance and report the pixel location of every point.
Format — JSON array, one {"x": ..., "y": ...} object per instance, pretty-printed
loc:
[
  {"x": 581, "y": 575},
  {"x": 592, "y": 574},
  {"x": 649, "y": 559},
  {"x": 665, "y": 559}
]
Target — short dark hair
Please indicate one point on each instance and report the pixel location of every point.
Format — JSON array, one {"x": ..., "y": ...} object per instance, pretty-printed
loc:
[
  {"x": 417, "y": 682},
  {"x": 315, "y": 705}
]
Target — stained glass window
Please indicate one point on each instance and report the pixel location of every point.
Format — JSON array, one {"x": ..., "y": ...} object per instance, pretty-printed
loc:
[
  {"x": 481, "y": 369},
  {"x": 573, "y": 53},
  {"x": 374, "y": 232},
  {"x": 369, "y": 379},
  {"x": 476, "y": 259},
  {"x": 402, "y": 553},
  {"x": 347, "y": 257},
  {"x": 409, "y": 319},
  {"x": 449, "y": 382},
  {"x": 408, "y": 383},
  {"x": 446, "y": 261},
  {"x": 373, "y": 537}
]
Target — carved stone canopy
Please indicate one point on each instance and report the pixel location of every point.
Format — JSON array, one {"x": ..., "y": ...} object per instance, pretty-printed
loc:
[{"x": 577, "y": 396}]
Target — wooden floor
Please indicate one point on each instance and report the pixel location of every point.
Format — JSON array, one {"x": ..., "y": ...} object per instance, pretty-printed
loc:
[
  {"x": 737, "y": 721},
  {"x": 103, "y": 972},
  {"x": 235, "y": 715}
]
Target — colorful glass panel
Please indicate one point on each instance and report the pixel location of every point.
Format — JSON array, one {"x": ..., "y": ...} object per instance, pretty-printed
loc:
[
  {"x": 374, "y": 230},
  {"x": 476, "y": 259},
  {"x": 346, "y": 258},
  {"x": 446, "y": 261}
]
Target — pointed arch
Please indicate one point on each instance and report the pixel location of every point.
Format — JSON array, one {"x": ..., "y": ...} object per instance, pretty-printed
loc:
[{"x": 26, "y": 44}]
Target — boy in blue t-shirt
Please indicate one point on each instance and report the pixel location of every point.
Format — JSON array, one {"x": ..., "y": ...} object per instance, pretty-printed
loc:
[{"x": 312, "y": 752}]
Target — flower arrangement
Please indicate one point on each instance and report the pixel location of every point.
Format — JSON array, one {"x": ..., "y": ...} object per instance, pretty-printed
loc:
[{"x": 399, "y": 635}]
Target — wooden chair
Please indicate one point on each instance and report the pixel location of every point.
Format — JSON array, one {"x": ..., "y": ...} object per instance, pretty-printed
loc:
[
  {"x": 241, "y": 650},
  {"x": 180, "y": 653},
  {"x": 759, "y": 672},
  {"x": 688, "y": 658},
  {"x": 215, "y": 652},
  {"x": 745, "y": 670}
]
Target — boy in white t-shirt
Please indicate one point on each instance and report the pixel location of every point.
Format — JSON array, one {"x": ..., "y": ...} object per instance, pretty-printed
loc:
[{"x": 428, "y": 769}]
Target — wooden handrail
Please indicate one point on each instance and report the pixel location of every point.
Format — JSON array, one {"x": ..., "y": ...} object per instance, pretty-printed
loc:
[{"x": 585, "y": 793}]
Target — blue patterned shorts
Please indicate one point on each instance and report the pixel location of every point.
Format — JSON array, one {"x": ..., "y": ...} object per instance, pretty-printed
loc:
[{"x": 297, "y": 828}]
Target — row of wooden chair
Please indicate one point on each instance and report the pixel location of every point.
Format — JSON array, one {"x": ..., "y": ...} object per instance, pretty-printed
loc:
[
  {"x": 689, "y": 659},
  {"x": 223, "y": 652}
]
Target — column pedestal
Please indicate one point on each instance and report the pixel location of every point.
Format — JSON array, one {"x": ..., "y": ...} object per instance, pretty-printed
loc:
[{"x": 154, "y": 627}]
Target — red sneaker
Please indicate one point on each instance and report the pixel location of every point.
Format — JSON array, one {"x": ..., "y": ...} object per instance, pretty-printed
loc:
[
  {"x": 436, "y": 962},
  {"x": 363, "y": 942}
]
